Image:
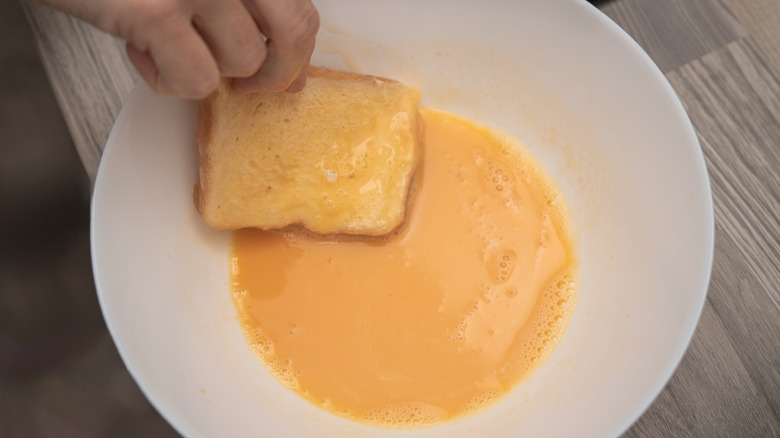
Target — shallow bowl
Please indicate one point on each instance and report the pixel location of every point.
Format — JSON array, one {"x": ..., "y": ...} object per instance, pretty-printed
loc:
[{"x": 559, "y": 76}]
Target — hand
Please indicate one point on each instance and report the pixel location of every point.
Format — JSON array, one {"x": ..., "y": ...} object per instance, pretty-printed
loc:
[{"x": 182, "y": 47}]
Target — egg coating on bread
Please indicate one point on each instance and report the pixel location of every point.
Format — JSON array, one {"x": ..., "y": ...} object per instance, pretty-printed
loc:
[{"x": 337, "y": 157}]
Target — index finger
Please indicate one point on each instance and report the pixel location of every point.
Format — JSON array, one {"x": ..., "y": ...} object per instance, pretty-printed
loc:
[{"x": 290, "y": 27}]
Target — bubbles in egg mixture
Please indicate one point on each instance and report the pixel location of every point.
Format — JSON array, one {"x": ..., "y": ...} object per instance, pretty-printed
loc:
[
  {"x": 282, "y": 369},
  {"x": 479, "y": 401},
  {"x": 500, "y": 264},
  {"x": 438, "y": 319},
  {"x": 545, "y": 327},
  {"x": 406, "y": 416}
]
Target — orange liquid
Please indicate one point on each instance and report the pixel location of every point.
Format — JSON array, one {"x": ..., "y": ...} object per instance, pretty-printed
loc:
[{"x": 435, "y": 321}]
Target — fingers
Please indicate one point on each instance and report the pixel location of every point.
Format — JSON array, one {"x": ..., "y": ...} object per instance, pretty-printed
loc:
[
  {"x": 232, "y": 35},
  {"x": 184, "y": 63},
  {"x": 182, "y": 47},
  {"x": 189, "y": 54},
  {"x": 290, "y": 28}
]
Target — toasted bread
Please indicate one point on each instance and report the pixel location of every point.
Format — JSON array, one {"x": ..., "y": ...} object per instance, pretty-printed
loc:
[{"x": 337, "y": 157}]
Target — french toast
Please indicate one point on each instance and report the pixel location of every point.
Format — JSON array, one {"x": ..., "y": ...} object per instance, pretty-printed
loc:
[{"x": 337, "y": 157}]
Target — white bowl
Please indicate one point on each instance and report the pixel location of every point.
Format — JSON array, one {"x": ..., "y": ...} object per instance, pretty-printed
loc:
[{"x": 559, "y": 76}]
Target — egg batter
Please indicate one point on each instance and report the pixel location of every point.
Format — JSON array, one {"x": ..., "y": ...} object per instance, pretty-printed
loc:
[{"x": 435, "y": 321}]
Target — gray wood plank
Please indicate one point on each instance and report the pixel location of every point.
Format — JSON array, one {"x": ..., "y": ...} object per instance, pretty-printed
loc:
[
  {"x": 732, "y": 96},
  {"x": 711, "y": 394},
  {"x": 676, "y": 32},
  {"x": 751, "y": 320},
  {"x": 89, "y": 73},
  {"x": 732, "y": 99},
  {"x": 761, "y": 18}
]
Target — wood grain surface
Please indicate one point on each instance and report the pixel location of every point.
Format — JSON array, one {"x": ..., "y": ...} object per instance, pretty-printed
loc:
[
  {"x": 723, "y": 59},
  {"x": 675, "y": 32},
  {"x": 90, "y": 74}
]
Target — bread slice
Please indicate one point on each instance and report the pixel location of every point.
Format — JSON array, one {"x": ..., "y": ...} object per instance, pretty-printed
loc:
[{"x": 337, "y": 157}]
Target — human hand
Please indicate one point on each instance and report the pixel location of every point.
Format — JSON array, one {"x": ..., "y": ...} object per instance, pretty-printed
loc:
[{"x": 182, "y": 47}]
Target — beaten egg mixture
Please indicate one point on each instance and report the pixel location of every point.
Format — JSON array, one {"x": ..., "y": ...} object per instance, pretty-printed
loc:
[{"x": 438, "y": 319}]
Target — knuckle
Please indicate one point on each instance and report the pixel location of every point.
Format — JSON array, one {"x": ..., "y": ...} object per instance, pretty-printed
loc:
[
  {"x": 250, "y": 62},
  {"x": 303, "y": 23},
  {"x": 159, "y": 12}
]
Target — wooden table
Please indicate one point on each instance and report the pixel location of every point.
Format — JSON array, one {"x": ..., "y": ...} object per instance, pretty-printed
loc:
[{"x": 723, "y": 59}]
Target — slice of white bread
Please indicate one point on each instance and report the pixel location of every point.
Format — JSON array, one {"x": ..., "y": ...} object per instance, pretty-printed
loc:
[{"x": 337, "y": 157}]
